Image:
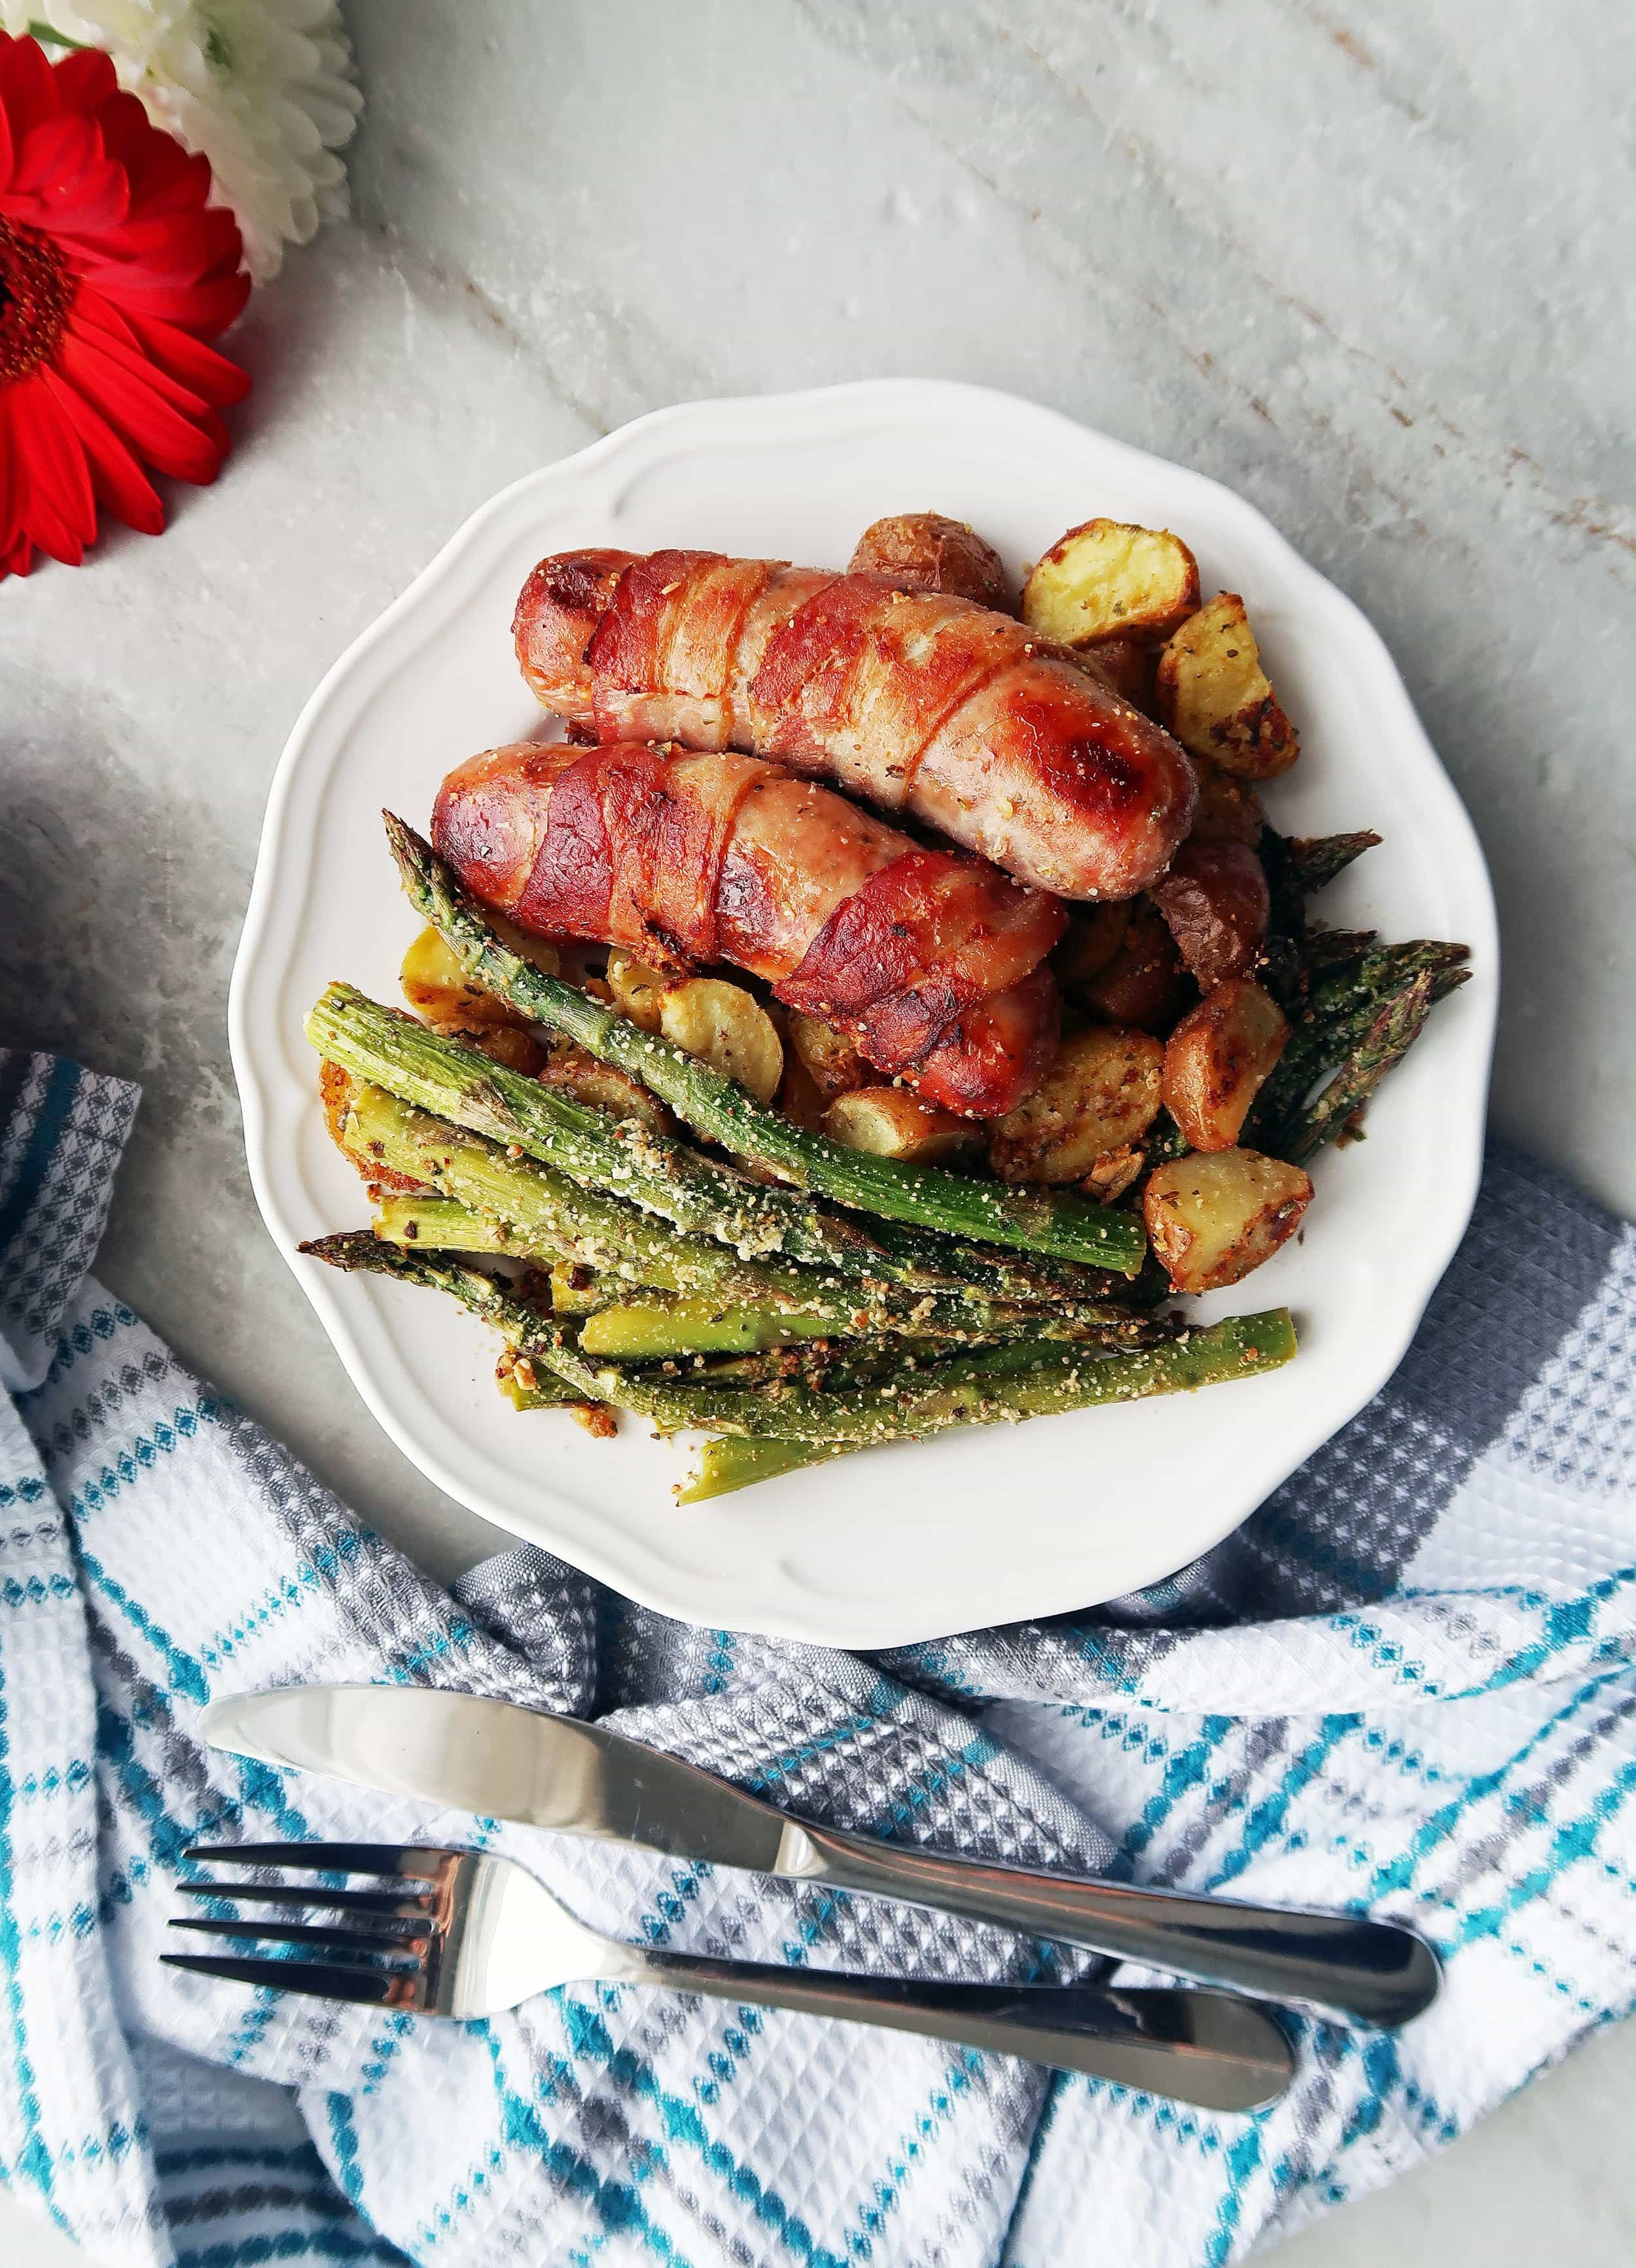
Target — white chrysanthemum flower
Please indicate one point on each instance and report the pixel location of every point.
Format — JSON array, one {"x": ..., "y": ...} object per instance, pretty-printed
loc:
[{"x": 263, "y": 87}]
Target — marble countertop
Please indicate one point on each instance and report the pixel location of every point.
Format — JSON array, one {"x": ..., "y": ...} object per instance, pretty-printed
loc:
[{"x": 1370, "y": 267}]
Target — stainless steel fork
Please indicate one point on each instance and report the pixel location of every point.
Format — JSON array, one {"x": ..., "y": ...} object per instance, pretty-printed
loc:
[{"x": 467, "y": 1933}]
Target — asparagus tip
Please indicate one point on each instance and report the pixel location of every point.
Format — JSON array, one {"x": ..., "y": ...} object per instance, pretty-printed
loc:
[{"x": 351, "y": 1248}]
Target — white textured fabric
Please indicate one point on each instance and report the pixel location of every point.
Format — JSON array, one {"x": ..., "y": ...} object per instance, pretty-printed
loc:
[
  {"x": 1407, "y": 1684},
  {"x": 61, "y": 1130}
]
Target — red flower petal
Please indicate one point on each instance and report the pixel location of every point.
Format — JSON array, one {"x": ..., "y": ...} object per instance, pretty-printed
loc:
[
  {"x": 166, "y": 188},
  {"x": 63, "y": 183},
  {"x": 192, "y": 449},
  {"x": 13, "y": 483},
  {"x": 176, "y": 247},
  {"x": 27, "y": 88},
  {"x": 61, "y": 512},
  {"x": 164, "y": 177},
  {"x": 204, "y": 308},
  {"x": 191, "y": 363},
  {"x": 118, "y": 479},
  {"x": 85, "y": 81},
  {"x": 123, "y": 350},
  {"x": 91, "y": 312}
]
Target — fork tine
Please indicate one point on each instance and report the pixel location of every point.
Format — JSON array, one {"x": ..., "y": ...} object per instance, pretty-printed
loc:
[
  {"x": 301, "y": 1933},
  {"x": 378, "y": 1988},
  {"x": 412, "y": 1903},
  {"x": 420, "y": 1864}
]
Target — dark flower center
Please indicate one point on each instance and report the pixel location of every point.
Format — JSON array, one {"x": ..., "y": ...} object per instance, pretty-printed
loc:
[{"x": 35, "y": 289}]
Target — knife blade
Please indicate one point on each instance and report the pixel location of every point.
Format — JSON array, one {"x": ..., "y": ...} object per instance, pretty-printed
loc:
[{"x": 504, "y": 1762}]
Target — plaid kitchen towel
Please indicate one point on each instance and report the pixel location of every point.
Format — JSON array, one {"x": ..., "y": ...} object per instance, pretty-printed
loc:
[{"x": 1407, "y": 1684}]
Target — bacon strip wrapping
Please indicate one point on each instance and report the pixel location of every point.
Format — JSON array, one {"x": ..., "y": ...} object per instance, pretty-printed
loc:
[
  {"x": 917, "y": 701},
  {"x": 931, "y": 959}
]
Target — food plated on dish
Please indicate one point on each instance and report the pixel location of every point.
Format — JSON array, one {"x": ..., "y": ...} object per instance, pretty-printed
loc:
[
  {"x": 888, "y": 997},
  {"x": 978, "y": 1523}
]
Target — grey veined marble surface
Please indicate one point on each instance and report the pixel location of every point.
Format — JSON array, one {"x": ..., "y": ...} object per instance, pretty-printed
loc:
[{"x": 1370, "y": 265}]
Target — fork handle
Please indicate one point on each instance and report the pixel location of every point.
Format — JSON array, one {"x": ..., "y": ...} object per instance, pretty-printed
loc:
[
  {"x": 1203, "y": 2048},
  {"x": 1367, "y": 1972}
]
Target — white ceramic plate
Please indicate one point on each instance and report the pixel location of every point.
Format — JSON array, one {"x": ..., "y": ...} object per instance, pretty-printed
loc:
[{"x": 980, "y": 1525}]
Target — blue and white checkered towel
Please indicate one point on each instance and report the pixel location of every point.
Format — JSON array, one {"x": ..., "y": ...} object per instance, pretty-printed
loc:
[{"x": 1408, "y": 1684}]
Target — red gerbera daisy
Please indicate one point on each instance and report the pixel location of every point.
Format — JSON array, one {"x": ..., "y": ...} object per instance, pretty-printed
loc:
[{"x": 111, "y": 273}]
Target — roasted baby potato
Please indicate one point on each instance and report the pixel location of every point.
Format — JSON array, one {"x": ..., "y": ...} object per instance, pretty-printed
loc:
[
  {"x": 1229, "y": 810},
  {"x": 1112, "y": 1175},
  {"x": 1107, "y": 579},
  {"x": 514, "y": 1045},
  {"x": 1095, "y": 933},
  {"x": 1214, "y": 694},
  {"x": 726, "y": 1026},
  {"x": 438, "y": 990},
  {"x": 1214, "y": 899},
  {"x": 1143, "y": 982},
  {"x": 1129, "y": 666},
  {"x": 638, "y": 991},
  {"x": 1211, "y": 1219},
  {"x": 829, "y": 1057},
  {"x": 582, "y": 961},
  {"x": 574, "y": 1070},
  {"x": 923, "y": 551},
  {"x": 1099, "y": 1094},
  {"x": 1217, "y": 1058},
  {"x": 337, "y": 1088},
  {"x": 892, "y": 1121},
  {"x": 800, "y": 1098}
]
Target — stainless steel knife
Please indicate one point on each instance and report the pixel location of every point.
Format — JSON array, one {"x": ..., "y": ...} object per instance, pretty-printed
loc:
[{"x": 504, "y": 1762}]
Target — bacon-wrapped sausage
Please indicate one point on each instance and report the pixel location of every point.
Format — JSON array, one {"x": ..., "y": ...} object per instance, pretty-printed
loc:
[
  {"x": 915, "y": 700},
  {"x": 930, "y": 957}
]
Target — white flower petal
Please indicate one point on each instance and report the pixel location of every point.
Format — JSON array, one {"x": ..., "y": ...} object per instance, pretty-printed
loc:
[{"x": 265, "y": 88}]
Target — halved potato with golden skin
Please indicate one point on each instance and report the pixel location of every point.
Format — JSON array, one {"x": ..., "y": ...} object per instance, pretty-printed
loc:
[
  {"x": 830, "y": 1058},
  {"x": 892, "y": 1121},
  {"x": 1214, "y": 695},
  {"x": 637, "y": 990},
  {"x": 1108, "y": 578},
  {"x": 725, "y": 1026},
  {"x": 573, "y": 1070},
  {"x": 514, "y": 1044},
  {"x": 1112, "y": 1175},
  {"x": 1211, "y": 1219},
  {"x": 924, "y": 551},
  {"x": 438, "y": 988},
  {"x": 1217, "y": 1058},
  {"x": 1099, "y": 1094}
]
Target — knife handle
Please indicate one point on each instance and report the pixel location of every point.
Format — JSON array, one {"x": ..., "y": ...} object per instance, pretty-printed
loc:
[
  {"x": 1204, "y": 2048},
  {"x": 1366, "y": 1972}
]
